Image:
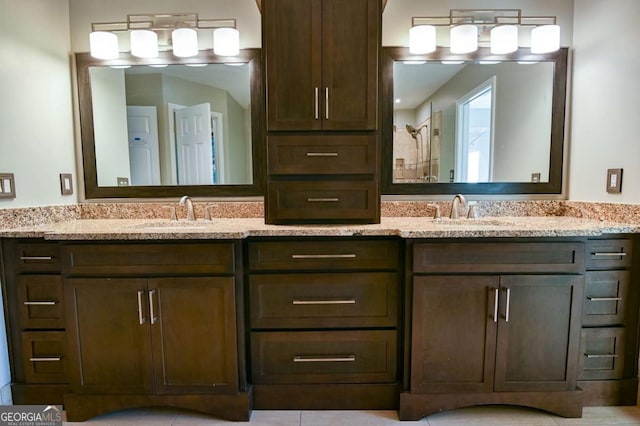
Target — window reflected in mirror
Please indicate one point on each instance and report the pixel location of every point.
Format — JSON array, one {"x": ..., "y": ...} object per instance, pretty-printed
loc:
[{"x": 172, "y": 125}]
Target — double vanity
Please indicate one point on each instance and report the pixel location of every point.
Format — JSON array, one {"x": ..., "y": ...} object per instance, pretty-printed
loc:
[{"x": 414, "y": 314}]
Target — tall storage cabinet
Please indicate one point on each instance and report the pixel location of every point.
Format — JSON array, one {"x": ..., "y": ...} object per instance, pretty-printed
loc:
[{"x": 322, "y": 110}]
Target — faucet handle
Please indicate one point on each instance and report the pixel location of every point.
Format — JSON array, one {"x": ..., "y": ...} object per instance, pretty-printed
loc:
[
  {"x": 472, "y": 213},
  {"x": 172, "y": 209},
  {"x": 436, "y": 210}
]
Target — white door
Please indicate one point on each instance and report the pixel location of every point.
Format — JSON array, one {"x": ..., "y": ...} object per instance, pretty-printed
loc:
[
  {"x": 144, "y": 157},
  {"x": 193, "y": 140}
]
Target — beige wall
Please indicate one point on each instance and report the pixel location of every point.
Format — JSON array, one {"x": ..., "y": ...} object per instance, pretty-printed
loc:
[
  {"x": 36, "y": 124},
  {"x": 605, "y": 127}
]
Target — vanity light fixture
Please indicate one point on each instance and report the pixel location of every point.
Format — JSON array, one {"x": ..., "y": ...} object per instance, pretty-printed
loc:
[
  {"x": 497, "y": 28},
  {"x": 153, "y": 32}
]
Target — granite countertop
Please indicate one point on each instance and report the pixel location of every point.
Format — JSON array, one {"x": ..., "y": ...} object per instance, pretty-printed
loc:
[{"x": 405, "y": 227}]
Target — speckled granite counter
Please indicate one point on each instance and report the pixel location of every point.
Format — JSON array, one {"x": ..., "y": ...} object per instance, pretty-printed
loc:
[{"x": 405, "y": 227}]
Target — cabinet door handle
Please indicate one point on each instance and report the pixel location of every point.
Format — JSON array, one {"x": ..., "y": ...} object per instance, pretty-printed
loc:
[
  {"x": 151, "y": 310},
  {"x": 603, "y": 254},
  {"x": 495, "y": 305},
  {"x": 326, "y": 103},
  {"x": 604, "y": 299},
  {"x": 324, "y": 302},
  {"x": 46, "y": 359},
  {"x": 323, "y": 200},
  {"x": 317, "y": 103},
  {"x": 506, "y": 309},
  {"x": 324, "y": 256},
  {"x": 141, "y": 319},
  {"x": 601, "y": 355},
  {"x": 322, "y": 154},
  {"x": 347, "y": 358},
  {"x": 36, "y": 257},
  {"x": 41, "y": 303}
]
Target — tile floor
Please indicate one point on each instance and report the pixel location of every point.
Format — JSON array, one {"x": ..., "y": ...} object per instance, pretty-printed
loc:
[{"x": 475, "y": 416}]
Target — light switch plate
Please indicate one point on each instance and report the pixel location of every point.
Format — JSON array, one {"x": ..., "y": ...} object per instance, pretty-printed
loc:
[
  {"x": 7, "y": 185},
  {"x": 614, "y": 181},
  {"x": 66, "y": 184}
]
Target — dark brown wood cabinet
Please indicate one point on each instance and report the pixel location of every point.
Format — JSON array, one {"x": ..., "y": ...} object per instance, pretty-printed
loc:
[
  {"x": 504, "y": 329},
  {"x": 321, "y": 64}
]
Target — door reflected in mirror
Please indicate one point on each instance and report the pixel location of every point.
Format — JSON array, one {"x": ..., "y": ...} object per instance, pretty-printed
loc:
[
  {"x": 472, "y": 122},
  {"x": 174, "y": 125}
]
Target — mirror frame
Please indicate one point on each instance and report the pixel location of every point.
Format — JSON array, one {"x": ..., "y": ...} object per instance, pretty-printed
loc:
[
  {"x": 391, "y": 54},
  {"x": 251, "y": 56}
]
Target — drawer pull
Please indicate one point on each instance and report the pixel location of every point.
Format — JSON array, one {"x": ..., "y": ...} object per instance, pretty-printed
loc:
[
  {"x": 601, "y": 355},
  {"x": 324, "y": 256},
  {"x": 42, "y": 303},
  {"x": 323, "y": 200},
  {"x": 46, "y": 359},
  {"x": 348, "y": 358},
  {"x": 324, "y": 302},
  {"x": 36, "y": 257},
  {"x": 141, "y": 319},
  {"x": 602, "y": 254},
  {"x": 495, "y": 306},
  {"x": 604, "y": 299},
  {"x": 322, "y": 154}
]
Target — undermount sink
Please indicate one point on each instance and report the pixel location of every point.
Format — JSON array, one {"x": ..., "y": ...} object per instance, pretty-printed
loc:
[
  {"x": 173, "y": 226},
  {"x": 472, "y": 222}
]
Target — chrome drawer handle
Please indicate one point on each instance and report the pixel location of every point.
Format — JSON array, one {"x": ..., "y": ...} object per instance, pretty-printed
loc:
[
  {"x": 322, "y": 154},
  {"x": 495, "y": 306},
  {"x": 326, "y": 103},
  {"x": 323, "y": 200},
  {"x": 43, "y": 303},
  {"x": 141, "y": 319},
  {"x": 152, "y": 314},
  {"x": 601, "y": 355},
  {"x": 324, "y": 256},
  {"x": 324, "y": 302},
  {"x": 602, "y": 254},
  {"x": 604, "y": 299},
  {"x": 348, "y": 358},
  {"x": 36, "y": 258},
  {"x": 506, "y": 311},
  {"x": 46, "y": 359},
  {"x": 317, "y": 116}
]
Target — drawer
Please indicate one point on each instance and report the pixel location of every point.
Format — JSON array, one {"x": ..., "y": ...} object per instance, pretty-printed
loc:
[
  {"x": 602, "y": 354},
  {"x": 321, "y": 154},
  {"x": 41, "y": 301},
  {"x": 148, "y": 259},
  {"x": 37, "y": 257},
  {"x": 44, "y": 355},
  {"x": 324, "y": 255},
  {"x": 606, "y": 294},
  {"x": 324, "y": 300},
  {"x": 324, "y": 357},
  {"x": 498, "y": 257},
  {"x": 355, "y": 201},
  {"x": 608, "y": 254}
]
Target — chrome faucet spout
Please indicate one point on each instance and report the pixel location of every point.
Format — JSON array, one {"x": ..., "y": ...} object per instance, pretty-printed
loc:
[
  {"x": 457, "y": 199},
  {"x": 186, "y": 200}
]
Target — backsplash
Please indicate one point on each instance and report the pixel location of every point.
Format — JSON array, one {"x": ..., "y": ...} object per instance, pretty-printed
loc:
[{"x": 33, "y": 216}]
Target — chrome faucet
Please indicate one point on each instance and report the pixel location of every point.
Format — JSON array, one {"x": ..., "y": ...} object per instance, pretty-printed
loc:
[
  {"x": 186, "y": 200},
  {"x": 454, "y": 205}
]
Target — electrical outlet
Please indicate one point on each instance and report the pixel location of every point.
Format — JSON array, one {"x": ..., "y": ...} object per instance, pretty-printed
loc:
[
  {"x": 614, "y": 181},
  {"x": 7, "y": 186},
  {"x": 123, "y": 181},
  {"x": 535, "y": 177}
]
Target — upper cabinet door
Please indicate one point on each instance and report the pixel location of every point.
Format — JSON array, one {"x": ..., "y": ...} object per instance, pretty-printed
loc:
[{"x": 321, "y": 64}]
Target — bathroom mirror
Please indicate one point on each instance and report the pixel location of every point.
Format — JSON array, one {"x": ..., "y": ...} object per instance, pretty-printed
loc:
[
  {"x": 473, "y": 124},
  {"x": 171, "y": 126}
]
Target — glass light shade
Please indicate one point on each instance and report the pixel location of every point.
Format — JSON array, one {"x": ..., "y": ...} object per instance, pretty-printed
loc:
[
  {"x": 464, "y": 39},
  {"x": 144, "y": 43},
  {"x": 103, "y": 45},
  {"x": 226, "y": 42},
  {"x": 545, "y": 39},
  {"x": 504, "y": 39},
  {"x": 185, "y": 42},
  {"x": 422, "y": 39}
]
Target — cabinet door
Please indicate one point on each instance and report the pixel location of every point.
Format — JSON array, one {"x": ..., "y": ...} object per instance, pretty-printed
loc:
[
  {"x": 454, "y": 334},
  {"x": 292, "y": 31},
  {"x": 193, "y": 329},
  {"x": 108, "y": 332},
  {"x": 350, "y": 40},
  {"x": 538, "y": 332}
]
